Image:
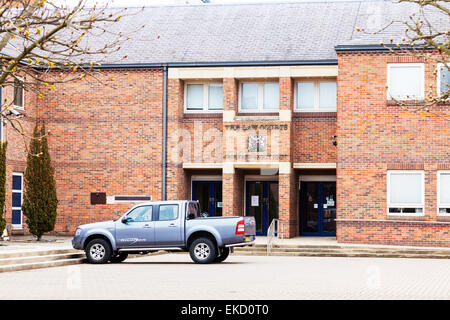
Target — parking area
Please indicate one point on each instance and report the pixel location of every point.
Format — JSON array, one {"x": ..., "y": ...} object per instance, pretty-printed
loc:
[{"x": 174, "y": 276}]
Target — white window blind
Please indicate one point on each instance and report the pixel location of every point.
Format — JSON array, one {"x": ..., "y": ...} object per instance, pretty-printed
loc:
[{"x": 405, "y": 81}]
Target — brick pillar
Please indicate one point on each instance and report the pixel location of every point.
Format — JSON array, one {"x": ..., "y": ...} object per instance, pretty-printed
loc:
[
  {"x": 233, "y": 193},
  {"x": 287, "y": 211}
]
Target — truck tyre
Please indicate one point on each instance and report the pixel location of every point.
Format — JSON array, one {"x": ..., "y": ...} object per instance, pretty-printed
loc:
[
  {"x": 119, "y": 257},
  {"x": 203, "y": 250},
  {"x": 98, "y": 251},
  {"x": 223, "y": 255}
]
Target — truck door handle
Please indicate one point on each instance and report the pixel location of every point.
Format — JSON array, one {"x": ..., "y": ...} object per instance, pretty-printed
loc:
[
  {"x": 147, "y": 226},
  {"x": 172, "y": 225}
]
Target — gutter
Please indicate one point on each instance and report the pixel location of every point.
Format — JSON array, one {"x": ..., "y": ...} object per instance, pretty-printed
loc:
[
  {"x": 378, "y": 47},
  {"x": 210, "y": 64}
]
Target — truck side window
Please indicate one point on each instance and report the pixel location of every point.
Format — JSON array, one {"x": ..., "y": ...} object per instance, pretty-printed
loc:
[
  {"x": 140, "y": 214},
  {"x": 192, "y": 210},
  {"x": 168, "y": 212}
]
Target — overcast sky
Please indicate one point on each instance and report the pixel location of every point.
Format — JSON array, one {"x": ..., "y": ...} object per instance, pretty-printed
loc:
[{"x": 129, "y": 3}]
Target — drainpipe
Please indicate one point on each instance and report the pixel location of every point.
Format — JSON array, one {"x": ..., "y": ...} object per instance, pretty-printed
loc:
[{"x": 164, "y": 137}]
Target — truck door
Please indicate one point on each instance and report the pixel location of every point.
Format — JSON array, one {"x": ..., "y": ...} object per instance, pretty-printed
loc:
[
  {"x": 139, "y": 230},
  {"x": 168, "y": 228}
]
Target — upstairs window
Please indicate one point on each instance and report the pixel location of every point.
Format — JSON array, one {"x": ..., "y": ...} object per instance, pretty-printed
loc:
[
  {"x": 405, "y": 193},
  {"x": 18, "y": 94},
  {"x": 443, "y": 79},
  {"x": 443, "y": 192},
  {"x": 316, "y": 96},
  {"x": 259, "y": 97},
  {"x": 203, "y": 97},
  {"x": 405, "y": 81}
]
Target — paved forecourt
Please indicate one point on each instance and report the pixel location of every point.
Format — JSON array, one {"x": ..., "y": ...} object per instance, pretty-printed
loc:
[{"x": 174, "y": 276}]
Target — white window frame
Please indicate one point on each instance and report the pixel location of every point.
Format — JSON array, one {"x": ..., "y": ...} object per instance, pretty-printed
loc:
[
  {"x": 438, "y": 84},
  {"x": 399, "y": 205},
  {"x": 23, "y": 95},
  {"x": 205, "y": 108},
  {"x": 260, "y": 102},
  {"x": 421, "y": 95},
  {"x": 316, "y": 107},
  {"x": 17, "y": 226},
  {"x": 444, "y": 205}
]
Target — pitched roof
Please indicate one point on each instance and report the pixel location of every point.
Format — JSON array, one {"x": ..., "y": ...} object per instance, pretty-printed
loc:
[{"x": 252, "y": 32}]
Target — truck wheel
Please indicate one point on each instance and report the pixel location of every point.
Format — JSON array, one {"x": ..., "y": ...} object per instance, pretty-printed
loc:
[
  {"x": 223, "y": 255},
  {"x": 119, "y": 257},
  {"x": 98, "y": 251},
  {"x": 202, "y": 250}
]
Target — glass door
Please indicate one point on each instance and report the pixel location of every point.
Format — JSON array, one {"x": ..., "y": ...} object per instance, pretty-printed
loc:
[
  {"x": 261, "y": 202},
  {"x": 318, "y": 208},
  {"x": 209, "y": 196}
]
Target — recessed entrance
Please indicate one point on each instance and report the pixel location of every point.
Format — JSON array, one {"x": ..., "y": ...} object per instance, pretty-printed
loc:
[
  {"x": 318, "y": 208},
  {"x": 261, "y": 202},
  {"x": 209, "y": 196}
]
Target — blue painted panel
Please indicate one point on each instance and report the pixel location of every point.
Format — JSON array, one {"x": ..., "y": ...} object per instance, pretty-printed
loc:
[
  {"x": 16, "y": 200},
  {"x": 17, "y": 217},
  {"x": 17, "y": 182}
]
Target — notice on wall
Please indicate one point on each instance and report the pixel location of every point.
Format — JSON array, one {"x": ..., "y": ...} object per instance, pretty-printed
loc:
[
  {"x": 255, "y": 201},
  {"x": 330, "y": 203},
  {"x": 219, "y": 204}
]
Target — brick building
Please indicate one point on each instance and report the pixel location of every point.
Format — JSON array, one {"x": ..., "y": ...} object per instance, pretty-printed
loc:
[{"x": 254, "y": 109}]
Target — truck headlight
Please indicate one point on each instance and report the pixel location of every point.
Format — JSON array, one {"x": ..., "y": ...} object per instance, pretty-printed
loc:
[{"x": 77, "y": 232}]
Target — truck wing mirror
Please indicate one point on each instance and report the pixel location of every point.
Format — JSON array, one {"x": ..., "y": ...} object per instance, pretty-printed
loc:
[{"x": 125, "y": 219}]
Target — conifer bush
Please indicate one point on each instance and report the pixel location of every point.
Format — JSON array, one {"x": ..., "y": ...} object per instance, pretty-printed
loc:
[{"x": 39, "y": 198}]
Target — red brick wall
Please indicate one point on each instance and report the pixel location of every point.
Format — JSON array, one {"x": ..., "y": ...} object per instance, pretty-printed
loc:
[
  {"x": 104, "y": 138},
  {"x": 373, "y": 137}
]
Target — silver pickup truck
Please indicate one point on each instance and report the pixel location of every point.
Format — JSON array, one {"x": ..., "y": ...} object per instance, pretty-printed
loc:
[{"x": 165, "y": 225}]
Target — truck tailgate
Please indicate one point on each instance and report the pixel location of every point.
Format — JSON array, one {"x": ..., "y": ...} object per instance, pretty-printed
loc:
[{"x": 250, "y": 226}]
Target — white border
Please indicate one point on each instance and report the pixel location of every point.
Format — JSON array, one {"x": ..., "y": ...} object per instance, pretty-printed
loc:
[
  {"x": 397, "y": 205},
  {"x": 422, "y": 80},
  {"x": 316, "y": 107},
  {"x": 260, "y": 100},
  {"x": 446, "y": 205},
  {"x": 205, "y": 97},
  {"x": 17, "y": 226}
]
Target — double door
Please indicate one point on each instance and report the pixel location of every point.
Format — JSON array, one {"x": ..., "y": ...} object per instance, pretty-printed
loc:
[
  {"x": 262, "y": 203},
  {"x": 209, "y": 196},
  {"x": 318, "y": 208}
]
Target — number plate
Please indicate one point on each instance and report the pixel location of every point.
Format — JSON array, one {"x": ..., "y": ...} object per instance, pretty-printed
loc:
[{"x": 247, "y": 239}]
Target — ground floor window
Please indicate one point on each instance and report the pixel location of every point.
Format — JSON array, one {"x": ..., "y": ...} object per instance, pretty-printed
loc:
[
  {"x": 443, "y": 192},
  {"x": 405, "y": 192},
  {"x": 17, "y": 198}
]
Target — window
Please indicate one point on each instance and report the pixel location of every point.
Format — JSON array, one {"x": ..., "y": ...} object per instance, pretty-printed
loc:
[
  {"x": 405, "y": 192},
  {"x": 443, "y": 79},
  {"x": 17, "y": 198},
  {"x": 259, "y": 97},
  {"x": 443, "y": 189},
  {"x": 201, "y": 97},
  {"x": 168, "y": 212},
  {"x": 18, "y": 94},
  {"x": 405, "y": 81},
  {"x": 140, "y": 214},
  {"x": 316, "y": 96}
]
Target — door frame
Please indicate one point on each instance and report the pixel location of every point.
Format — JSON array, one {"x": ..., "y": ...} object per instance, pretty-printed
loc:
[
  {"x": 265, "y": 191},
  {"x": 320, "y": 212},
  {"x": 211, "y": 190}
]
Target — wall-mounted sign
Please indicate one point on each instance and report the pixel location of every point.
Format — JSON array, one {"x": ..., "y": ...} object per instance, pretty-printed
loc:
[
  {"x": 255, "y": 201},
  {"x": 256, "y": 143}
]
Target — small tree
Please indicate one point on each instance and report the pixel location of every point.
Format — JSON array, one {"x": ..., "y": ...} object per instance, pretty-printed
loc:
[
  {"x": 39, "y": 199},
  {"x": 2, "y": 185}
]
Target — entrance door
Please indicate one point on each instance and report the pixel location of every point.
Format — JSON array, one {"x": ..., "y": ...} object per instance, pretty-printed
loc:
[
  {"x": 261, "y": 202},
  {"x": 209, "y": 195},
  {"x": 318, "y": 208}
]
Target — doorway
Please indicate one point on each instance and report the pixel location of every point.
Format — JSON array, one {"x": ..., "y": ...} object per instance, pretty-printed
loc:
[
  {"x": 209, "y": 196},
  {"x": 318, "y": 208},
  {"x": 261, "y": 202}
]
